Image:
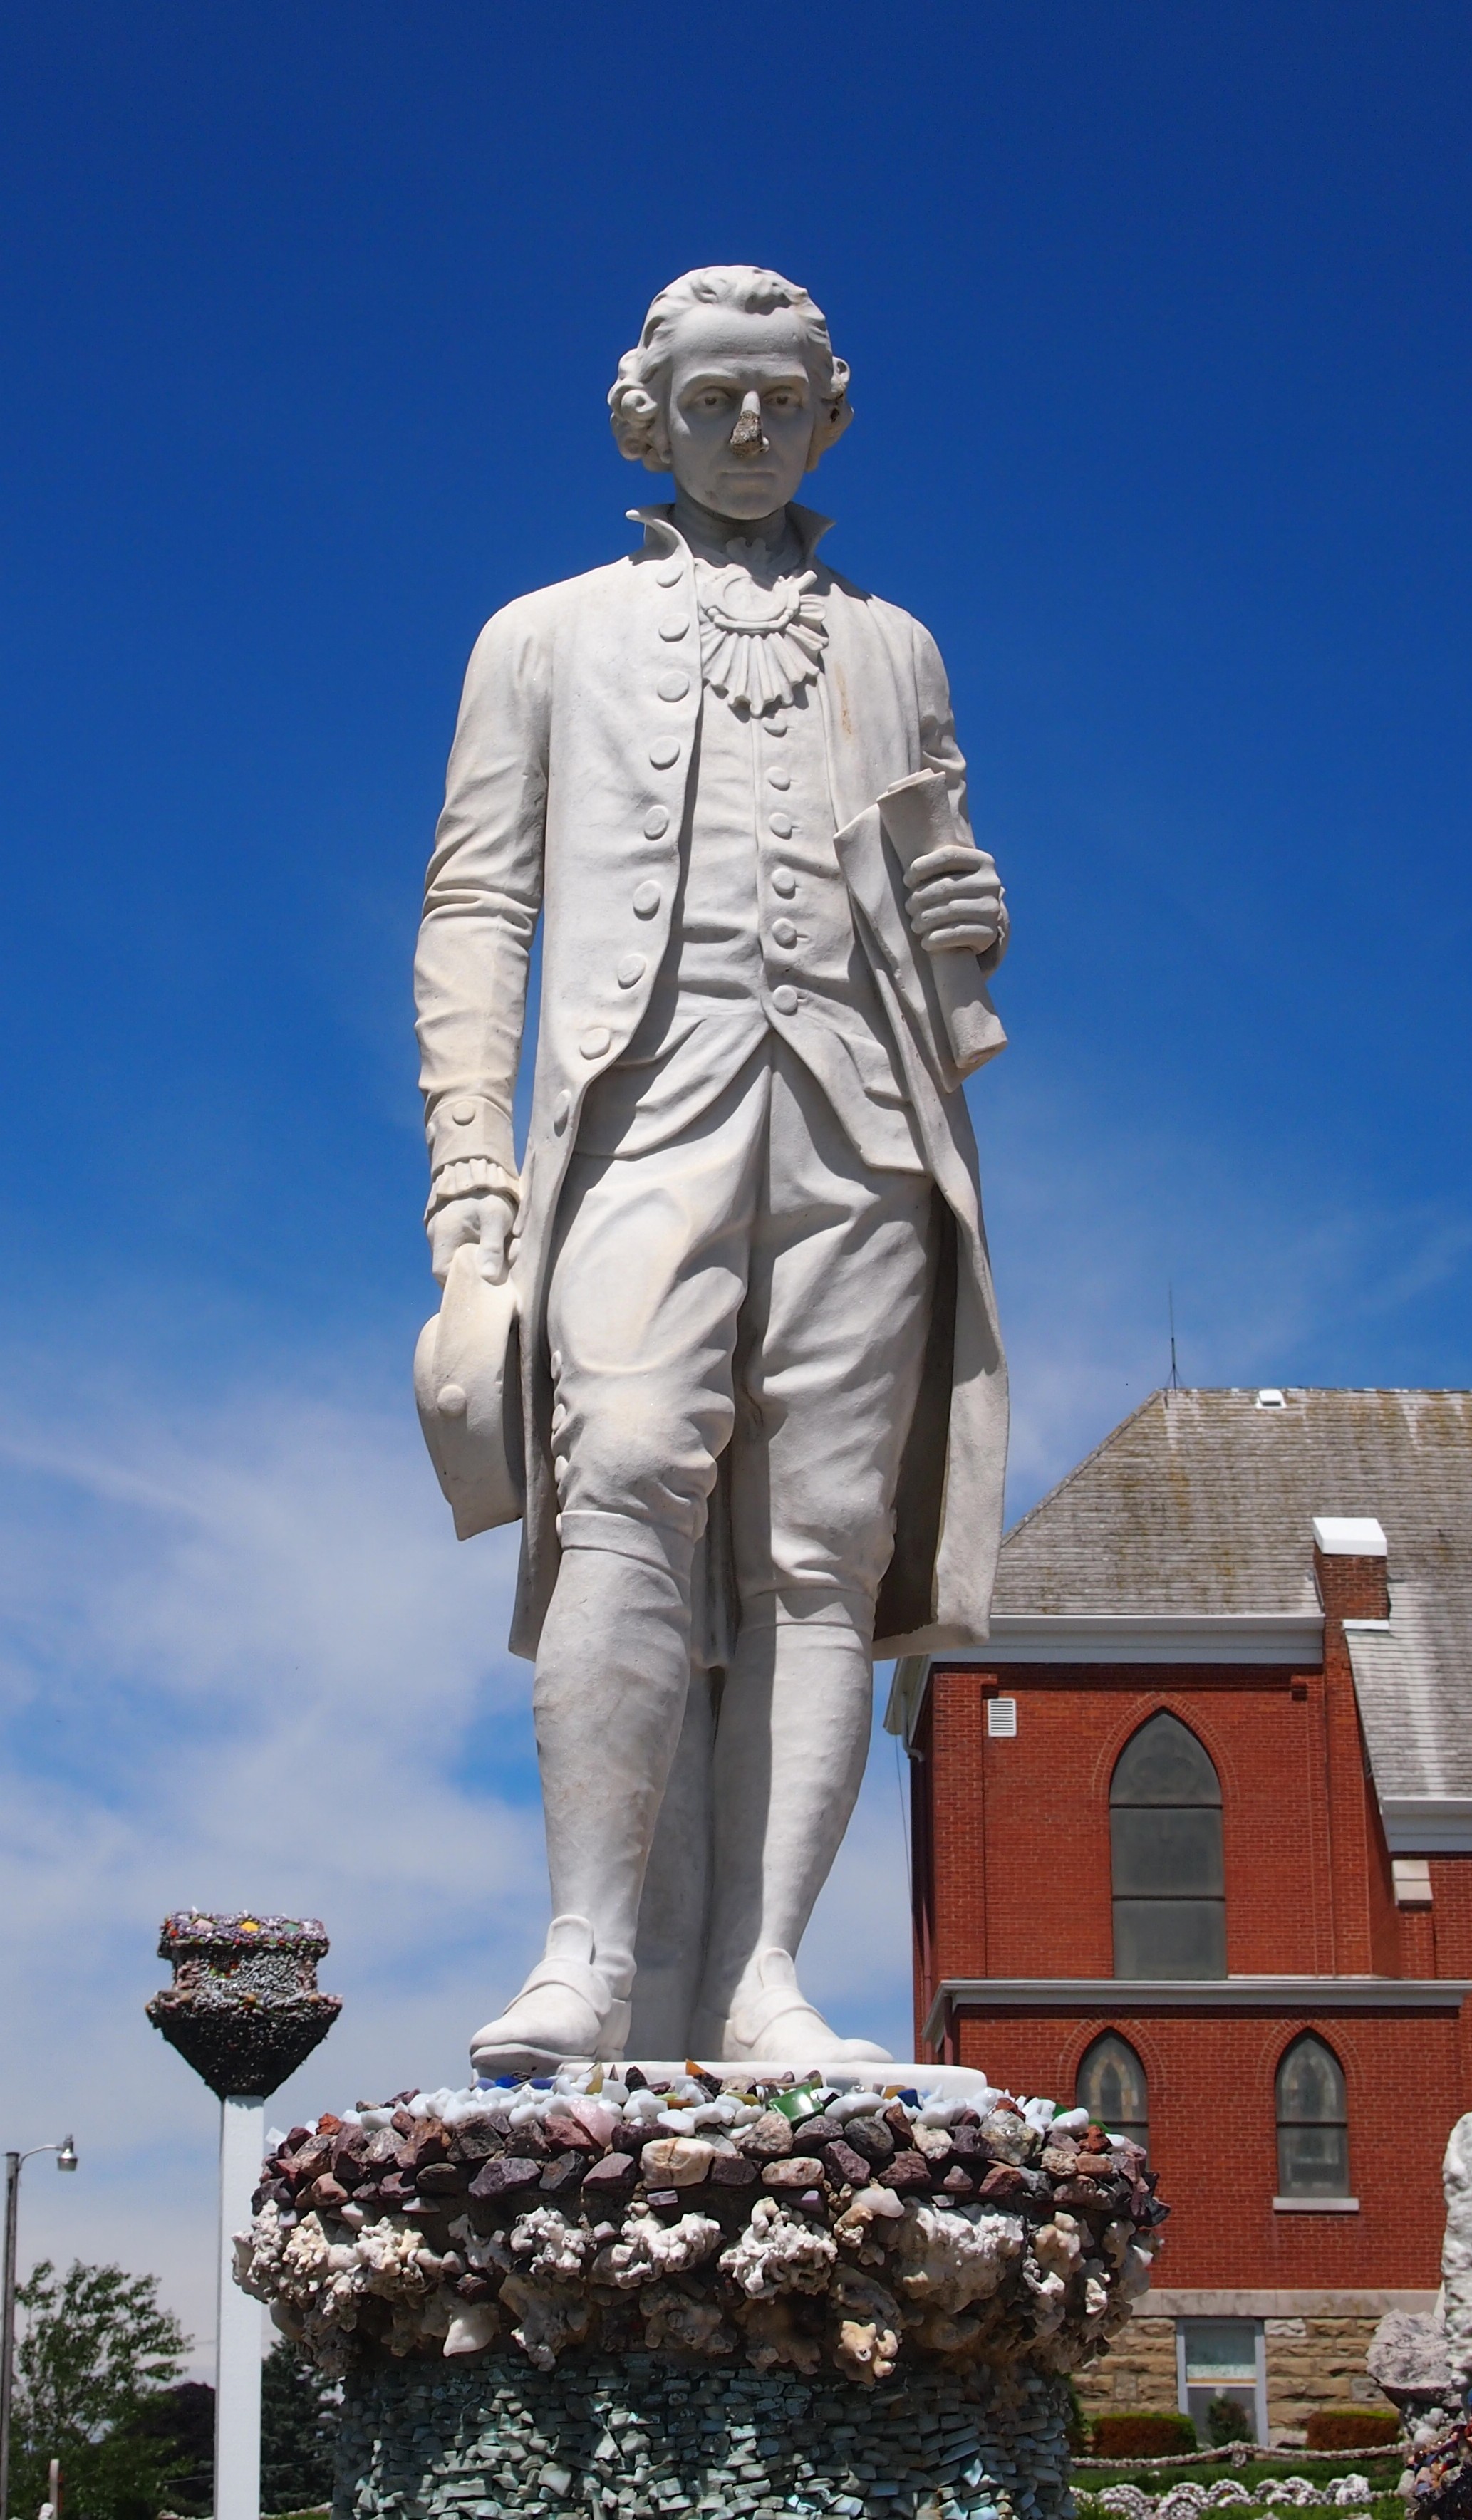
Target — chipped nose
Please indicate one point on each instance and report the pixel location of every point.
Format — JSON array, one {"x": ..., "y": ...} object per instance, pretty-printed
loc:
[{"x": 749, "y": 432}]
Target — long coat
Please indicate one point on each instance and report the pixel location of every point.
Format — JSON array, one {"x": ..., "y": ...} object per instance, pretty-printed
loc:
[{"x": 566, "y": 794}]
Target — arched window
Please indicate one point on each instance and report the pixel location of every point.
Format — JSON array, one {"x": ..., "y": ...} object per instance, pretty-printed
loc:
[
  {"x": 1313, "y": 2135},
  {"x": 1165, "y": 1827},
  {"x": 1112, "y": 2086}
]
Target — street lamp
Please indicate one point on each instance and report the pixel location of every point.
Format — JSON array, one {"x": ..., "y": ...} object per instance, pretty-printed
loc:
[{"x": 66, "y": 2159}]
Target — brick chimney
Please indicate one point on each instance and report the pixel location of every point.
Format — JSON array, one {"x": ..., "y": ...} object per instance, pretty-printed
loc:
[{"x": 1350, "y": 1566}]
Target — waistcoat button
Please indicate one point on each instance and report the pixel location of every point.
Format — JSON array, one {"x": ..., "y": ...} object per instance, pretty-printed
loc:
[
  {"x": 672, "y": 686},
  {"x": 784, "y": 932},
  {"x": 593, "y": 1044},
  {"x": 656, "y": 823},
  {"x": 781, "y": 824},
  {"x": 785, "y": 1000},
  {"x": 779, "y": 779},
  {"x": 674, "y": 625},
  {"x": 785, "y": 883},
  {"x": 631, "y": 970},
  {"x": 666, "y": 753},
  {"x": 647, "y": 900}
]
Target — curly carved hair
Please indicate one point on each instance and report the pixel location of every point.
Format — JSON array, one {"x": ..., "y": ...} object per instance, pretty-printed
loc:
[{"x": 636, "y": 397}]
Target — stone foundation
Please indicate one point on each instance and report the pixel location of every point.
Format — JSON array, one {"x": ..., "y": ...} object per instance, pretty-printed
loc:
[
  {"x": 1316, "y": 2360},
  {"x": 1137, "y": 2371},
  {"x": 638, "y": 2434},
  {"x": 1315, "y": 2363}
]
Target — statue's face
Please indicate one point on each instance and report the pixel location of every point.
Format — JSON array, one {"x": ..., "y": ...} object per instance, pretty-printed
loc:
[{"x": 741, "y": 409}]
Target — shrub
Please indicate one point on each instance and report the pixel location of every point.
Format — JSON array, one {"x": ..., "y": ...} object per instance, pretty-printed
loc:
[
  {"x": 1147, "y": 2434},
  {"x": 1354, "y": 2428},
  {"x": 1228, "y": 2420}
]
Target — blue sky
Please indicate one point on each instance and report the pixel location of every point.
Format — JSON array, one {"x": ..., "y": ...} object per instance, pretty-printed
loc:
[{"x": 1157, "y": 318}]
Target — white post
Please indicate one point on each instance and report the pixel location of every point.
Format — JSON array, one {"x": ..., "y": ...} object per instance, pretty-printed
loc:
[{"x": 237, "y": 2367}]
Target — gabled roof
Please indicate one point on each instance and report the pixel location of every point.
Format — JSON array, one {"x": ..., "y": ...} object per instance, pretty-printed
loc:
[{"x": 1201, "y": 1504}]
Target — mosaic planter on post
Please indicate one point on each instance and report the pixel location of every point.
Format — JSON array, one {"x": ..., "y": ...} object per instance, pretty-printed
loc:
[
  {"x": 244, "y": 2012},
  {"x": 821, "y": 2298}
]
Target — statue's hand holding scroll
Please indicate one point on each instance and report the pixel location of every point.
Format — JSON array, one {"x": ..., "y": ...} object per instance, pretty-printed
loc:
[{"x": 955, "y": 898}]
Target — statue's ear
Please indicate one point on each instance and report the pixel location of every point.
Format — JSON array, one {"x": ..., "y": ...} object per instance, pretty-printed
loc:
[{"x": 834, "y": 414}]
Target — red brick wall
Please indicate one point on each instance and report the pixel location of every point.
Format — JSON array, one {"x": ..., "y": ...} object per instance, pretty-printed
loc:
[
  {"x": 1449, "y": 1920},
  {"x": 1012, "y": 1880},
  {"x": 1011, "y": 1837},
  {"x": 1018, "y": 1830},
  {"x": 1213, "y": 2136}
]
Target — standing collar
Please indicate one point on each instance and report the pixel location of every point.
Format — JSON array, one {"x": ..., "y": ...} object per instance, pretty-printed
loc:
[{"x": 663, "y": 534}]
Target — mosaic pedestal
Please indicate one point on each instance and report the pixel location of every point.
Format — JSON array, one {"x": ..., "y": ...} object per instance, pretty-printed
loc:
[{"x": 617, "y": 2436}]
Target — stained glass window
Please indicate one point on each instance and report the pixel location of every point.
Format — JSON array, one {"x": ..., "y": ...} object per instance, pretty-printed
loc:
[
  {"x": 1313, "y": 2135},
  {"x": 1112, "y": 2086},
  {"x": 1164, "y": 1822}
]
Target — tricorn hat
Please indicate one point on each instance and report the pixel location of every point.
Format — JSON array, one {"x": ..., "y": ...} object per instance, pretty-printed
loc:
[{"x": 466, "y": 1382}]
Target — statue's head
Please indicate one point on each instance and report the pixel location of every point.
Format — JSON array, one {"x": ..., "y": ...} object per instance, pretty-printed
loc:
[{"x": 733, "y": 388}]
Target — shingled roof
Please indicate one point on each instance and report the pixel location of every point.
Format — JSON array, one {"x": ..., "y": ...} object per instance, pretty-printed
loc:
[{"x": 1202, "y": 1504}]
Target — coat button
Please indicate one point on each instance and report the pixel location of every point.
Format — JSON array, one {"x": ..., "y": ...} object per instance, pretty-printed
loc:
[
  {"x": 781, "y": 824},
  {"x": 647, "y": 899},
  {"x": 784, "y": 881},
  {"x": 669, "y": 573},
  {"x": 631, "y": 970},
  {"x": 666, "y": 753},
  {"x": 561, "y": 1110},
  {"x": 450, "y": 1400},
  {"x": 593, "y": 1044},
  {"x": 463, "y": 1112},
  {"x": 785, "y": 1000},
  {"x": 674, "y": 625},
  {"x": 656, "y": 823},
  {"x": 672, "y": 686},
  {"x": 784, "y": 932}
]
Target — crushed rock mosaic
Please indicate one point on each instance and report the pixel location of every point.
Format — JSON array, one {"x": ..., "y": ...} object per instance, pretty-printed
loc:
[
  {"x": 639, "y": 2433},
  {"x": 1188, "y": 2501},
  {"x": 790, "y": 2228}
]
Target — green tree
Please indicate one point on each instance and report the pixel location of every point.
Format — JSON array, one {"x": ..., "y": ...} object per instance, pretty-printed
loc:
[
  {"x": 98, "y": 2352},
  {"x": 299, "y": 2422},
  {"x": 1228, "y": 2420}
]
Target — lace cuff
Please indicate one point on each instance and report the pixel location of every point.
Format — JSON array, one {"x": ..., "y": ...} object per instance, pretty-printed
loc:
[{"x": 465, "y": 1177}]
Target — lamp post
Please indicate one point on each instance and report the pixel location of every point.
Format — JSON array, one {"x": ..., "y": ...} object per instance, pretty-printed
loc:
[
  {"x": 244, "y": 2012},
  {"x": 66, "y": 2159}
]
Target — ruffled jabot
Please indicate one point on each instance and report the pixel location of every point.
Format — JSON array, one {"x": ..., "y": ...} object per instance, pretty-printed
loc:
[{"x": 758, "y": 644}]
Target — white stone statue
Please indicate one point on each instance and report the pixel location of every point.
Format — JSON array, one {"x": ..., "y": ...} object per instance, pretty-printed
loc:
[{"x": 762, "y": 1390}]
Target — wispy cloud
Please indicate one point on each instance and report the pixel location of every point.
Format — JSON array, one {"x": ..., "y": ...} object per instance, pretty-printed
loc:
[
  {"x": 1097, "y": 1224},
  {"x": 243, "y": 1662}
]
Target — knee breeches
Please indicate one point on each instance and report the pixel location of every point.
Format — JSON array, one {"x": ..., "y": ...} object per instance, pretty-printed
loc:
[{"x": 750, "y": 1290}]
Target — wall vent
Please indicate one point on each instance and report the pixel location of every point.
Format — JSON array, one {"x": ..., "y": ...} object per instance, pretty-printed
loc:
[{"x": 1002, "y": 1718}]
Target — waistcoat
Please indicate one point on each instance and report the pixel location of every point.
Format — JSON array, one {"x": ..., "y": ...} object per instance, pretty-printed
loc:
[{"x": 762, "y": 942}]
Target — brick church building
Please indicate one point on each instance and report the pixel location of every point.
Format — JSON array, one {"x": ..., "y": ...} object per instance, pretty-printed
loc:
[{"x": 1192, "y": 1843}]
